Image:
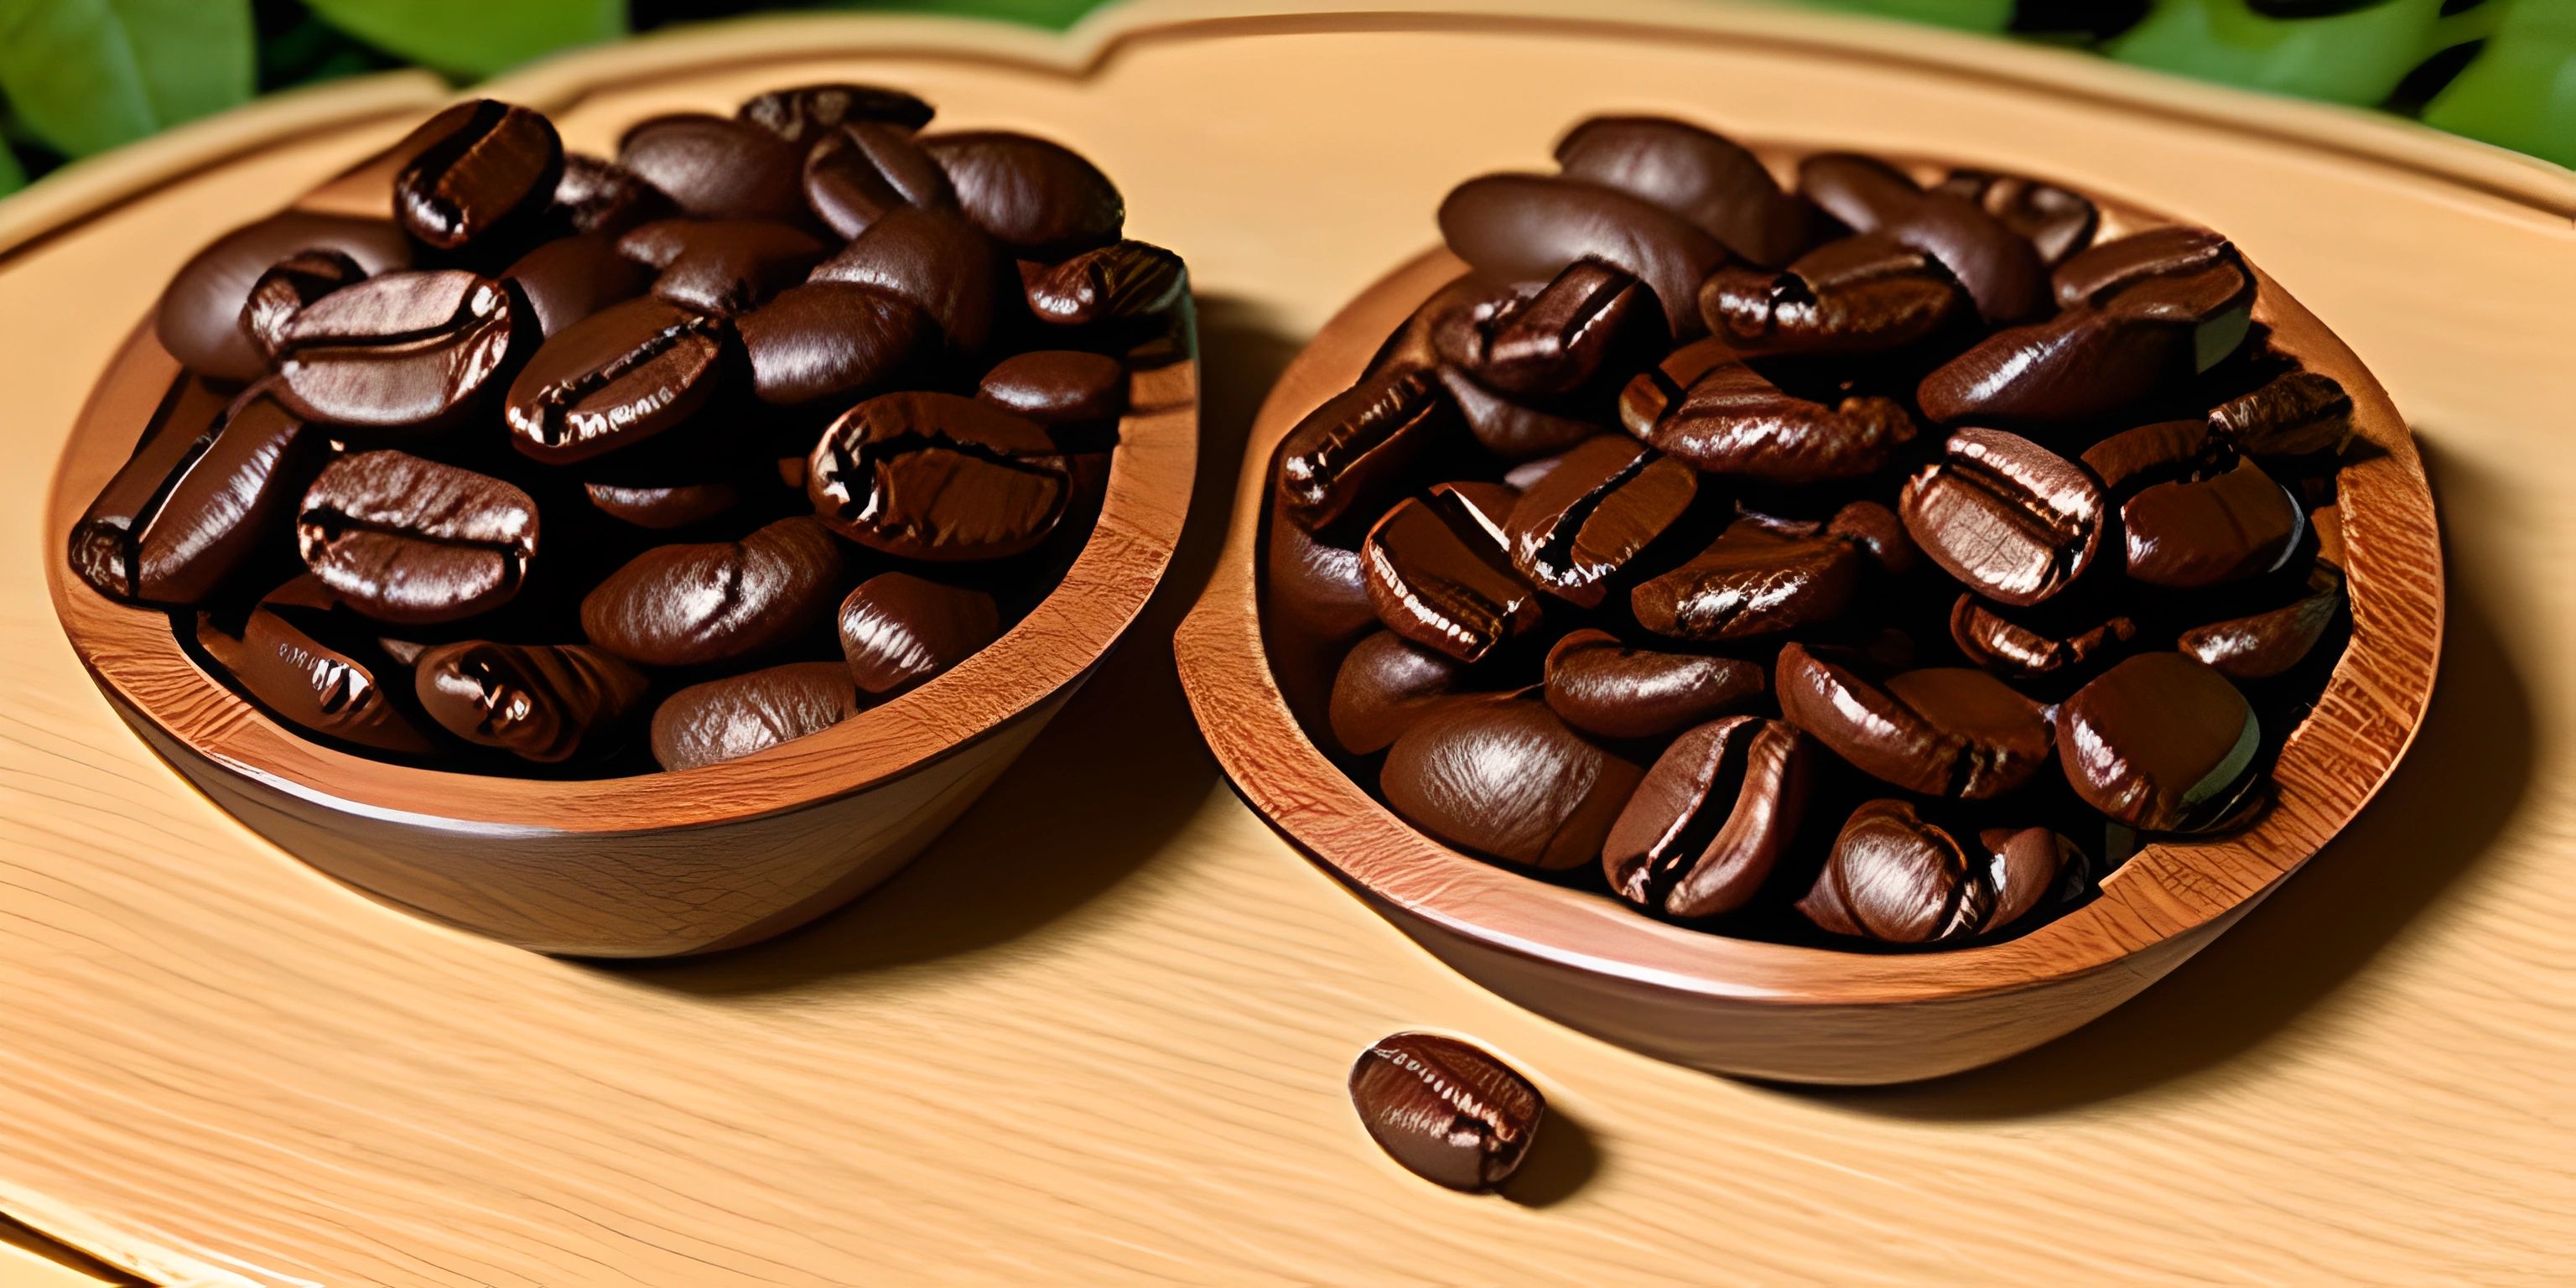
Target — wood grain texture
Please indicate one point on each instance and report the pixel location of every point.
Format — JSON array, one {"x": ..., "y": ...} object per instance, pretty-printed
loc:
[{"x": 1097, "y": 1033}]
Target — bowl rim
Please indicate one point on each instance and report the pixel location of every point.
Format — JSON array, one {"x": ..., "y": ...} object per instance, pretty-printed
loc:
[{"x": 2328, "y": 768}]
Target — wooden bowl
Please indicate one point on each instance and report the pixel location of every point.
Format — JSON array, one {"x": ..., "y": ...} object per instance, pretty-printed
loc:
[
  {"x": 1805, "y": 1014},
  {"x": 652, "y": 865}
]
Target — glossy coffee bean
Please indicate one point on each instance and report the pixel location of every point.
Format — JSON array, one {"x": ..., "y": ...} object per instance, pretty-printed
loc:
[
  {"x": 1750, "y": 583},
  {"x": 1438, "y": 575},
  {"x": 1503, "y": 777},
  {"x": 803, "y": 113},
  {"x": 827, "y": 343},
  {"x": 1492, "y": 502},
  {"x": 1314, "y": 587},
  {"x": 1942, "y": 731},
  {"x": 857, "y": 172},
  {"x": 1523, "y": 228},
  {"x": 2010, "y": 519},
  {"x": 1355, "y": 454},
  {"x": 1860, "y": 295},
  {"x": 1112, "y": 283},
  {"x": 619, "y": 377},
  {"x": 544, "y": 703},
  {"x": 1058, "y": 386},
  {"x": 730, "y": 718},
  {"x": 400, "y": 354},
  {"x": 301, "y": 680},
  {"x": 2023, "y": 867},
  {"x": 1711, "y": 818},
  {"x": 2160, "y": 742},
  {"x": 2133, "y": 459},
  {"x": 1708, "y": 180},
  {"x": 1507, "y": 427},
  {"x": 2266, "y": 644},
  {"x": 1861, "y": 192},
  {"x": 898, "y": 630},
  {"x": 1041, "y": 199},
  {"x": 717, "y": 168},
  {"x": 199, "y": 318},
  {"x": 1895, "y": 877},
  {"x": 2193, "y": 534},
  {"x": 936, "y": 476},
  {"x": 933, "y": 259},
  {"x": 1459, "y": 303},
  {"x": 2091, "y": 362},
  {"x": 2174, "y": 250},
  {"x": 1577, "y": 530},
  {"x": 1384, "y": 685},
  {"x": 477, "y": 169},
  {"x": 1879, "y": 534},
  {"x": 286, "y": 288},
  {"x": 570, "y": 278},
  {"x": 102, "y": 542},
  {"x": 663, "y": 508},
  {"x": 2294, "y": 414},
  {"x": 603, "y": 199},
  {"x": 723, "y": 266},
  {"x": 414, "y": 542},
  {"x": 1447, "y": 1111},
  {"x": 1999, "y": 268},
  {"x": 2019, "y": 650},
  {"x": 1719, "y": 416},
  {"x": 2058, "y": 223},
  {"x": 1601, "y": 686},
  {"x": 702, "y": 603},
  {"x": 1556, "y": 340},
  {"x": 191, "y": 510}
]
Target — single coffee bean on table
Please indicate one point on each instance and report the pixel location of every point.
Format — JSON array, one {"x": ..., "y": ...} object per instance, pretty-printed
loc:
[{"x": 1448, "y": 1111}]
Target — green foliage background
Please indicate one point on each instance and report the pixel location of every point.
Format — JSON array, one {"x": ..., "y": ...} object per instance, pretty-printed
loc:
[{"x": 82, "y": 76}]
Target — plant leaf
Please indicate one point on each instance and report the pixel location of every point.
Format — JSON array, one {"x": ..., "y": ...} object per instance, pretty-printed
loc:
[
  {"x": 12, "y": 176},
  {"x": 88, "y": 75},
  {"x": 475, "y": 37}
]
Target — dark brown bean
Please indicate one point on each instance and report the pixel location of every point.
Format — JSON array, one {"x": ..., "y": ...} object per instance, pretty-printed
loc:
[
  {"x": 1503, "y": 777},
  {"x": 1447, "y": 1111},
  {"x": 1126, "y": 279},
  {"x": 1524, "y": 228},
  {"x": 2128, "y": 461},
  {"x": 2294, "y": 414},
  {"x": 717, "y": 168},
  {"x": 857, "y": 172},
  {"x": 728, "y": 719},
  {"x": 2057, "y": 222},
  {"x": 723, "y": 266},
  {"x": 2000, "y": 269},
  {"x": 1314, "y": 586},
  {"x": 832, "y": 342},
  {"x": 1557, "y": 340},
  {"x": 286, "y": 288},
  {"x": 400, "y": 354},
  {"x": 1355, "y": 453},
  {"x": 804, "y": 112},
  {"x": 1492, "y": 502},
  {"x": 1459, "y": 302},
  {"x": 2160, "y": 742},
  {"x": 1706, "y": 179},
  {"x": 601, "y": 198},
  {"x": 199, "y": 318},
  {"x": 2265, "y": 644},
  {"x": 540, "y": 702},
  {"x": 1507, "y": 427},
  {"x": 412, "y": 541},
  {"x": 1385, "y": 684},
  {"x": 191, "y": 510},
  {"x": 621, "y": 376},
  {"x": 305, "y": 682},
  {"x": 1943, "y": 731},
  {"x": 1058, "y": 386},
  {"x": 1576, "y": 531},
  {"x": 695, "y": 604},
  {"x": 477, "y": 170},
  {"x": 936, "y": 260},
  {"x": 2091, "y": 362},
  {"x": 2018, "y": 650},
  {"x": 570, "y": 278},
  {"x": 1720, "y": 416},
  {"x": 1039, "y": 198},
  {"x": 1601, "y": 686},
  {"x": 898, "y": 630},
  {"x": 1750, "y": 583},
  {"x": 2189, "y": 535},
  {"x": 1894, "y": 877},
  {"x": 661, "y": 508},
  {"x": 2173, "y": 250},
  {"x": 1860, "y": 295},
  {"x": 1711, "y": 818},
  {"x": 1438, "y": 575},
  {"x": 937, "y": 476},
  {"x": 2010, "y": 519},
  {"x": 1877, "y": 532}
]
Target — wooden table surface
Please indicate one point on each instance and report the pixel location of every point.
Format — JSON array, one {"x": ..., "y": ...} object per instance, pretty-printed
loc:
[{"x": 1098, "y": 1034}]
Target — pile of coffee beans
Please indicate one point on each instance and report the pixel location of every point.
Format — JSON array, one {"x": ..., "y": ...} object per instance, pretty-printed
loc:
[
  {"x": 572, "y": 466},
  {"x": 1854, "y": 562}
]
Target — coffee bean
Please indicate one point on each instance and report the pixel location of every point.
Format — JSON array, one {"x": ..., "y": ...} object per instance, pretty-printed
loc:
[
  {"x": 2021, "y": 651},
  {"x": 939, "y": 477},
  {"x": 2023, "y": 866},
  {"x": 1041, "y": 199},
  {"x": 1356, "y": 452},
  {"x": 1999, "y": 268},
  {"x": 2058, "y": 223},
  {"x": 727, "y": 719},
  {"x": 722, "y": 266},
  {"x": 1439, "y": 576},
  {"x": 696, "y": 604},
  {"x": 662, "y": 508},
  {"x": 1574, "y": 533},
  {"x": 2010, "y": 519},
  {"x": 1385, "y": 684},
  {"x": 1711, "y": 819},
  {"x": 1750, "y": 583},
  {"x": 2190, "y": 535},
  {"x": 1122, "y": 280},
  {"x": 1720, "y": 416},
  {"x": 2295, "y": 414},
  {"x": 1058, "y": 386},
  {"x": 413, "y": 542},
  {"x": 2160, "y": 742},
  {"x": 2090, "y": 362},
  {"x": 857, "y": 172},
  {"x": 1503, "y": 777},
  {"x": 1521, "y": 228},
  {"x": 199, "y": 318},
  {"x": 1492, "y": 502},
  {"x": 1526, "y": 475},
  {"x": 1877, "y": 532},
  {"x": 2266, "y": 644},
  {"x": 599, "y": 197},
  {"x": 1860, "y": 295},
  {"x": 198, "y": 502},
  {"x": 1894, "y": 877},
  {"x": 832, "y": 342},
  {"x": 1314, "y": 586},
  {"x": 1601, "y": 686},
  {"x": 2129, "y": 461},
  {"x": 2173, "y": 250},
  {"x": 1557, "y": 340},
  {"x": 301, "y": 680},
  {"x": 544, "y": 703},
  {"x": 717, "y": 168},
  {"x": 801, "y": 114},
  {"x": 1706, "y": 179},
  {"x": 286, "y": 288},
  {"x": 1943, "y": 731},
  {"x": 478, "y": 170},
  {"x": 1506, "y": 427},
  {"x": 400, "y": 354},
  {"x": 1448, "y": 1112},
  {"x": 570, "y": 278},
  {"x": 1412, "y": 345},
  {"x": 898, "y": 630},
  {"x": 935, "y": 260},
  {"x": 1862, "y": 192},
  {"x": 619, "y": 377}
]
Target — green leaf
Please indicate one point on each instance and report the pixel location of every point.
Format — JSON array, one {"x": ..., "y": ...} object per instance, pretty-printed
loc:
[
  {"x": 12, "y": 177},
  {"x": 2520, "y": 92},
  {"x": 87, "y": 75},
  {"x": 1964, "y": 15},
  {"x": 475, "y": 37},
  {"x": 2355, "y": 57}
]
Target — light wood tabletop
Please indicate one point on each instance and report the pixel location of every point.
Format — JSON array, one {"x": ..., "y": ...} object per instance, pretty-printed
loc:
[{"x": 1098, "y": 1033}]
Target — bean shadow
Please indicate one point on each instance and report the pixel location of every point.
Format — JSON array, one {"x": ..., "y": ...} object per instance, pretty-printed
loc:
[
  {"x": 1562, "y": 1158},
  {"x": 1118, "y": 771},
  {"x": 2456, "y": 791}
]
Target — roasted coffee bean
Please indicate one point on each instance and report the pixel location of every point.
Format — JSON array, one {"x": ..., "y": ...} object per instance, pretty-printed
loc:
[
  {"x": 833, "y": 342},
  {"x": 1708, "y": 180},
  {"x": 1574, "y": 533},
  {"x": 934, "y": 259},
  {"x": 2160, "y": 742},
  {"x": 1492, "y": 502},
  {"x": 1506, "y": 427},
  {"x": 1602, "y": 686},
  {"x": 724, "y": 266},
  {"x": 2058, "y": 223},
  {"x": 2190, "y": 535},
  {"x": 1126, "y": 279},
  {"x": 191, "y": 510},
  {"x": 857, "y": 172},
  {"x": 1385, "y": 684},
  {"x": 1710, "y": 820},
  {"x": 305, "y": 682},
  {"x": 1943, "y": 731},
  {"x": 1999, "y": 268},
  {"x": 728, "y": 719},
  {"x": 2090, "y": 362},
  {"x": 2132, "y": 459},
  {"x": 1894, "y": 877},
  {"x": 1313, "y": 585},
  {"x": 1058, "y": 386},
  {"x": 2021, "y": 651},
  {"x": 939, "y": 477},
  {"x": 400, "y": 354},
  {"x": 1448, "y": 1112},
  {"x": 1041, "y": 199},
  {"x": 2295, "y": 414},
  {"x": 414, "y": 542},
  {"x": 1438, "y": 575},
  {"x": 898, "y": 630},
  {"x": 545, "y": 703},
  {"x": 2269, "y": 643},
  {"x": 1526, "y": 475},
  {"x": 601, "y": 198},
  {"x": 717, "y": 168},
  {"x": 570, "y": 278},
  {"x": 2173, "y": 250},
  {"x": 1356, "y": 452},
  {"x": 1503, "y": 777},
  {"x": 477, "y": 170},
  {"x": 2010, "y": 519},
  {"x": 801, "y": 114},
  {"x": 2023, "y": 866},
  {"x": 1523, "y": 228},
  {"x": 661, "y": 508},
  {"x": 286, "y": 288},
  {"x": 1413, "y": 346},
  {"x": 199, "y": 318},
  {"x": 1877, "y": 532},
  {"x": 1720, "y": 416},
  {"x": 696, "y": 604},
  {"x": 1557, "y": 340},
  {"x": 1751, "y": 583},
  {"x": 1860, "y": 295},
  {"x": 619, "y": 377}
]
